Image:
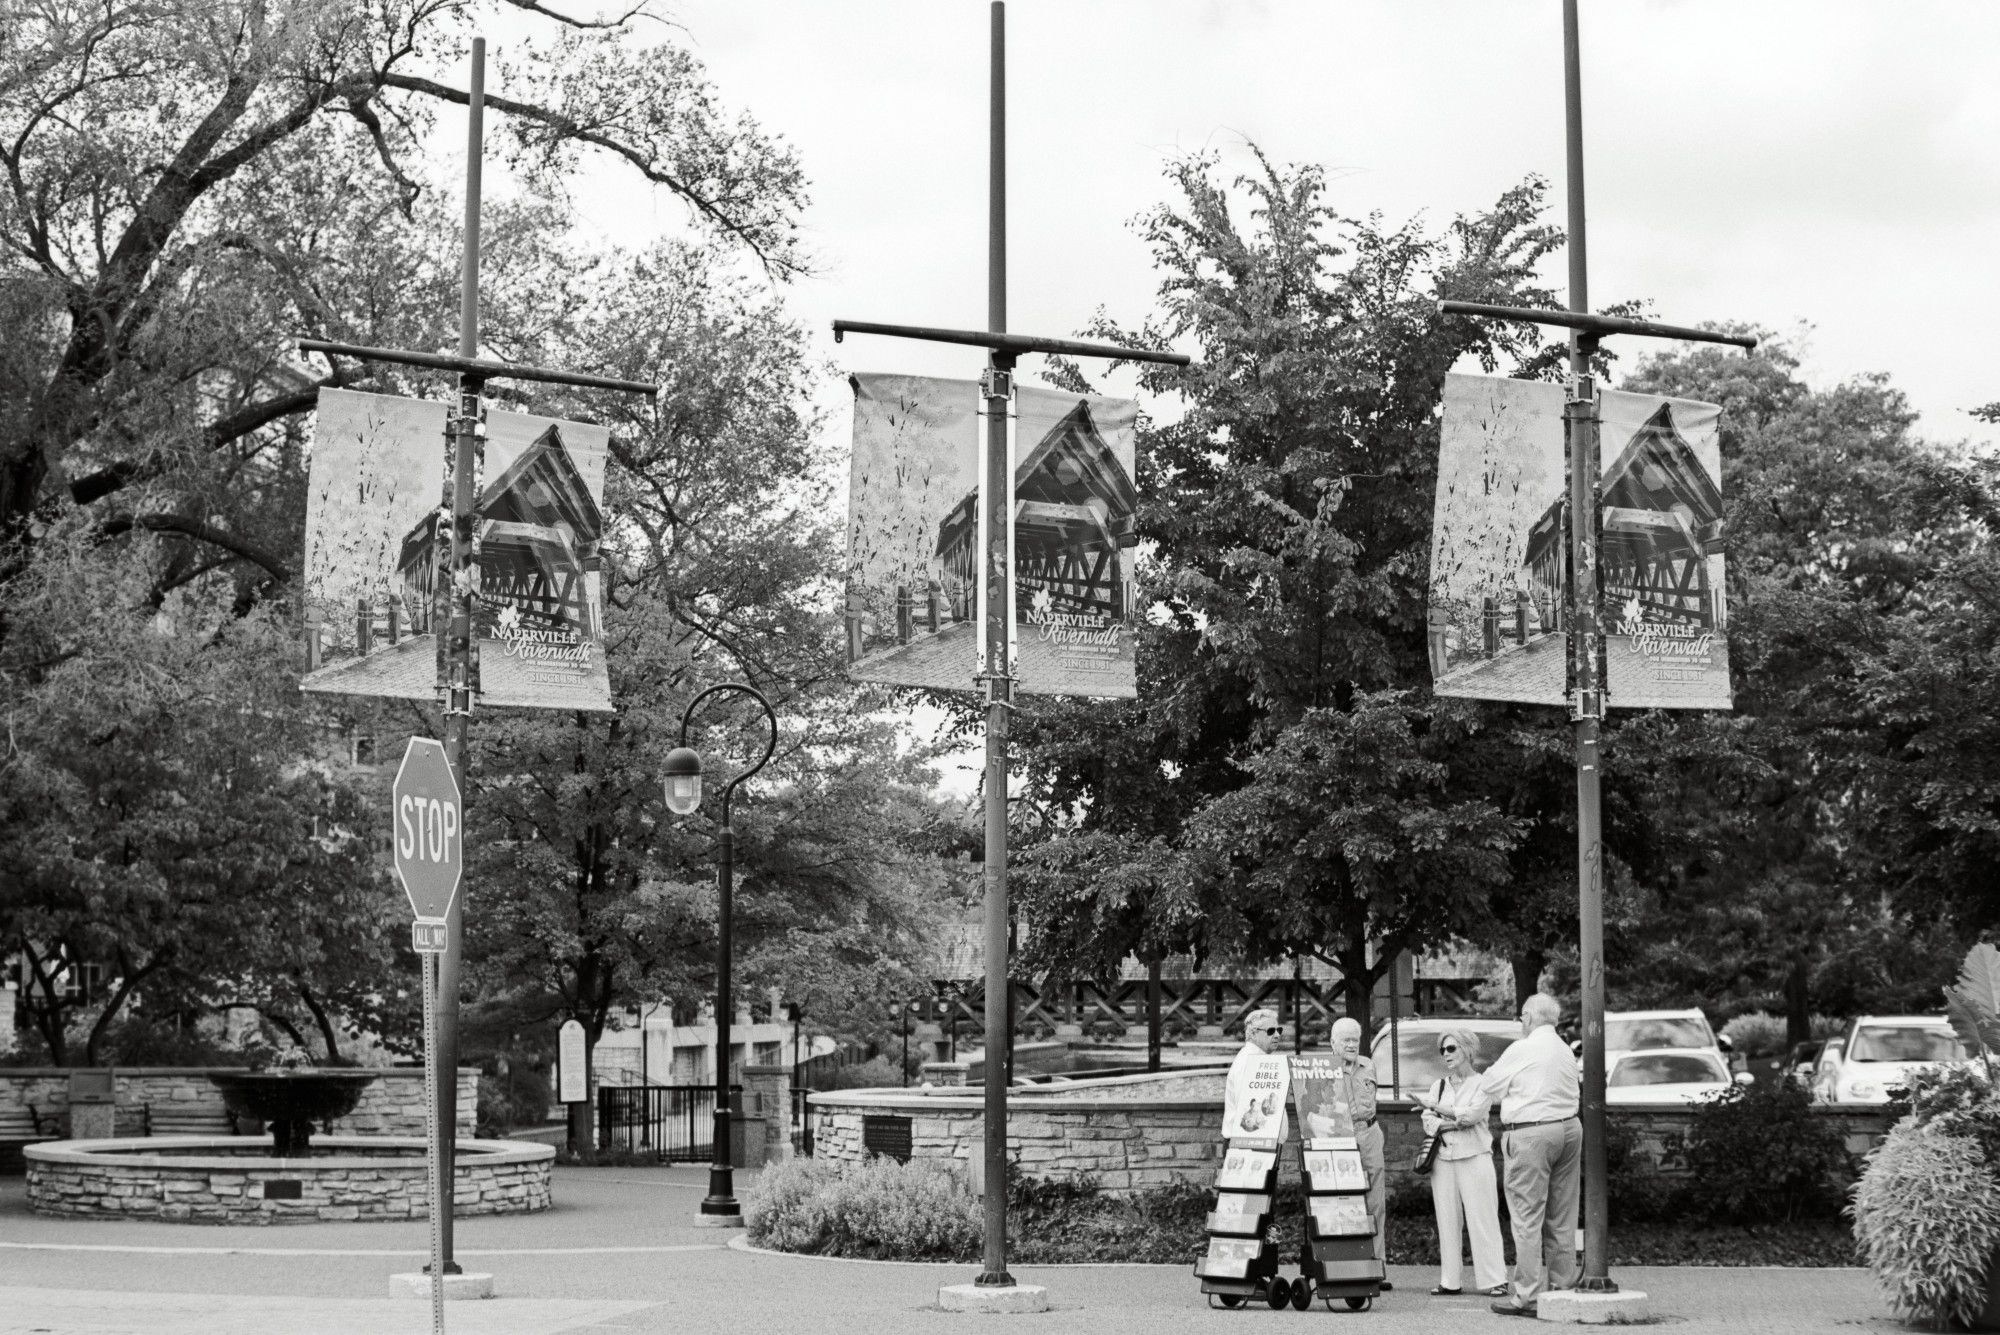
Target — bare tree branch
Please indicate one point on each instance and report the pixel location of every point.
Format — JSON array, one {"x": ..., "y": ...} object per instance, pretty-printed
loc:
[
  {"x": 201, "y": 531},
  {"x": 571, "y": 128}
]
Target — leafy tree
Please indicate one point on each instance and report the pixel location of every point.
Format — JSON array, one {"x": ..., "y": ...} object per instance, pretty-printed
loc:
[
  {"x": 1832, "y": 840},
  {"x": 1269, "y": 792},
  {"x": 164, "y": 812}
]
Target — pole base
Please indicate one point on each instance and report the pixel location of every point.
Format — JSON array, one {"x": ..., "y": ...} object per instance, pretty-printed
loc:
[
  {"x": 994, "y": 1298},
  {"x": 1576, "y": 1307},
  {"x": 417, "y": 1284},
  {"x": 719, "y": 1214}
]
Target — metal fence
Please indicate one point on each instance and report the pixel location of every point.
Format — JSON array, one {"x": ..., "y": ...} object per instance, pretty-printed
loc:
[
  {"x": 676, "y": 1122},
  {"x": 817, "y": 1072}
]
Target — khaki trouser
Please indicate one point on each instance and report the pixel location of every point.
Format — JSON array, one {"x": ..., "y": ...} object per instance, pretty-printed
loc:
[
  {"x": 1544, "y": 1165},
  {"x": 1369, "y": 1142}
]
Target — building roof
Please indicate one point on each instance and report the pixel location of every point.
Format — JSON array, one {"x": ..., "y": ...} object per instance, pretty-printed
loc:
[
  {"x": 408, "y": 671},
  {"x": 949, "y": 658},
  {"x": 1535, "y": 673}
]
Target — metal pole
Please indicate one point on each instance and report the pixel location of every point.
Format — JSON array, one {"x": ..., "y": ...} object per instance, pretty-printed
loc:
[
  {"x": 466, "y": 433},
  {"x": 721, "y": 1198},
  {"x": 434, "y": 1145},
  {"x": 1580, "y": 421},
  {"x": 1152, "y": 1015},
  {"x": 999, "y": 514}
]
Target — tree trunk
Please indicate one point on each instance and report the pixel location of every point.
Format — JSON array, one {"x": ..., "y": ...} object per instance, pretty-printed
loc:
[
  {"x": 1798, "y": 1003},
  {"x": 322, "y": 1019},
  {"x": 1357, "y": 989},
  {"x": 1528, "y": 962}
]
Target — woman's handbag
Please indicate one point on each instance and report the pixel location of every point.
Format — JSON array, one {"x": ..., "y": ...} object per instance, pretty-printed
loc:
[{"x": 1431, "y": 1142}]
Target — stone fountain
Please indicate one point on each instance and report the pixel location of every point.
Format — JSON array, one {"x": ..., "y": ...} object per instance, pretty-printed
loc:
[{"x": 291, "y": 1100}]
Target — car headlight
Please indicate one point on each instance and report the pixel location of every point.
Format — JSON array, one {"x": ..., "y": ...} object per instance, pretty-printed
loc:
[{"x": 1863, "y": 1089}]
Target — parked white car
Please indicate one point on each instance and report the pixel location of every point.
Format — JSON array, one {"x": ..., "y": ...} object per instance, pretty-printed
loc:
[
  {"x": 1880, "y": 1051},
  {"x": 1416, "y": 1064},
  {"x": 1633, "y": 1031},
  {"x": 1667, "y": 1075}
]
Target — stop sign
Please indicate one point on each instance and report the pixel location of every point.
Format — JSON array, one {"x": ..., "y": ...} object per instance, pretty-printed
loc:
[{"x": 428, "y": 823}]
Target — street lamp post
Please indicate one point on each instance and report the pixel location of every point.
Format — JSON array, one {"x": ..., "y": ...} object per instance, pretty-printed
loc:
[{"x": 683, "y": 792}]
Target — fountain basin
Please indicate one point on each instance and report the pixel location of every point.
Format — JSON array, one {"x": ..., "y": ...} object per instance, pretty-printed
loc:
[
  {"x": 231, "y": 1180},
  {"x": 291, "y": 1101}
]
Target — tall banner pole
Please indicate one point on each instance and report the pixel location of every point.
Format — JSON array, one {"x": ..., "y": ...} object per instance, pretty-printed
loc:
[
  {"x": 998, "y": 509},
  {"x": 464, "y": 439},
  {"x": 1586, "y": 645}
]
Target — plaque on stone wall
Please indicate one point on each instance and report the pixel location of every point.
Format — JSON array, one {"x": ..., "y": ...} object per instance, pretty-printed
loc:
[{"x": 886, "y": 1136}]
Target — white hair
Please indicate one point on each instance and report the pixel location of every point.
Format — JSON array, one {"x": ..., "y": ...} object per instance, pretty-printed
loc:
[
  {"x": 1346, "y": 1024},
  {"x": 1259, "y": 1017},
  {"x": 1541, "y": 1009}
]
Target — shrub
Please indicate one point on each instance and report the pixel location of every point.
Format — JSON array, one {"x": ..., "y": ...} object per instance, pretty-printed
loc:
[
  {"x": 875, "y": 1073},
  {"x": 1639, "y": 1193},
  {"x": 1927, "y": 1218},
  {"x": 1758, "y": 1153},
  {"x": 1756, "y": 1034},
  {"x": 919, "y": 1211}
]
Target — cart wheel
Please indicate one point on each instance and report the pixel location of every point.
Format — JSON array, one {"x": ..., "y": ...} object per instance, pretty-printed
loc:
[
  {"x": 1279, "y": 1294},
  {"x": 1360, "y": 1304},
  {"x": 1302, "y": 1294},
  {"x": 1230, "y": 1299}
]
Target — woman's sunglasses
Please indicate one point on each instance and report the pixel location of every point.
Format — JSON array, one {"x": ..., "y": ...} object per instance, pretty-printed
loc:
[{"x": 1446, "y": 1049}]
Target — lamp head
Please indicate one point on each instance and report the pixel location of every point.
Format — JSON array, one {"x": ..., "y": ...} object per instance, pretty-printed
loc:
[{"x": 683, "y": 780}]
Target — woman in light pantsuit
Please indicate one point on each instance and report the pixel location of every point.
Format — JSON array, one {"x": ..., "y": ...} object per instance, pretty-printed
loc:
[{"x": 1463, "y": 1188}]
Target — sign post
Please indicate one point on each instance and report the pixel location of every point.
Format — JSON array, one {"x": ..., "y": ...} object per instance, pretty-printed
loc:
[
  {"x": 1584, "y": 618},
  {"x": 995, "y": 676},
  {"x": 573, "y": 1083},
  {"x": 427, "y": 818},
  {"x": 456, "y": 596}
]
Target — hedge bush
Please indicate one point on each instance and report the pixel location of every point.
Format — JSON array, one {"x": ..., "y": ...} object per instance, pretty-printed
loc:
[
  {"x": 918, "y": 1211},
  {"x": 1927, "y": 1218},
  {"x": 1756, "y": 1034},
  {"x": 1757, "y": 1153}
]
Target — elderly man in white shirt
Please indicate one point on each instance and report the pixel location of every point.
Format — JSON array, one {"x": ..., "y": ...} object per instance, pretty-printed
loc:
[{"x": 1536, "y": 1082}]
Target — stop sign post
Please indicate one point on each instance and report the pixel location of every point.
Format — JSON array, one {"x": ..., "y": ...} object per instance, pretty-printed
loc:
[{"x": 429, "y": 824}]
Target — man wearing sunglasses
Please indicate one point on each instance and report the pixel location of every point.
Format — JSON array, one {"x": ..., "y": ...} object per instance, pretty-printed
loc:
[{"x": 1253, "y": 1099}]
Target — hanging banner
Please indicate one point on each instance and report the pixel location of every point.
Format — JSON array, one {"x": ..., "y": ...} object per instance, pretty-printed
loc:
[
  {"x": 914, "y": 532},
  {"x": 377, "y": 543},
  {"x": 1500, "y": 548}
]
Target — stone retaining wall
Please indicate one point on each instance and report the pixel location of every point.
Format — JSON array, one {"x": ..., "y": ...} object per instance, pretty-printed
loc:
[
  {"x": 393, "y": 1105},
  {"x": 1132, "y": 1133},
  {"x": 492, "y": 1177}
]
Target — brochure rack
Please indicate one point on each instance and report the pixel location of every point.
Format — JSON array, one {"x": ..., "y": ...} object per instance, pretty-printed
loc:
[
  {"x": 1241, "y": 1263},
  {"x": 1339, "y": 1257}
]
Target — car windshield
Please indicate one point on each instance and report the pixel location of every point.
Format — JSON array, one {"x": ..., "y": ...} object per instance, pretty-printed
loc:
[
  {"x": 1418, "y": 1064},
  {"x": 1682, "y": 1031},
  {"x": 1666, "y": 1068},
  {"x": 1904, "y": 1043}
]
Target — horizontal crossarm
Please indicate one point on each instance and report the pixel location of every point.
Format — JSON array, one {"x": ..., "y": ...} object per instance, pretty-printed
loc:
[
  {"x": 1598, "y": 325},
  {"x": 474, "y": 366},
  {"x": 1016, "y": 344}
]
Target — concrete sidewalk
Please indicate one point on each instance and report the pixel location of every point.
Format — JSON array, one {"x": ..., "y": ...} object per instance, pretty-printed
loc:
[{"x": 619, "y": 1253}]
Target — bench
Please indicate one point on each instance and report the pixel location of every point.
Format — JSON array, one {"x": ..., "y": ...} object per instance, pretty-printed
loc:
[
  {"x": 23, "y": 1126},
  {"x": 25, "y": 1123},
  {"x": 175, "y": 1119}
]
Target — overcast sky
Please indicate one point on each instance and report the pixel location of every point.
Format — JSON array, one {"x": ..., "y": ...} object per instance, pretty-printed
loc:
[
  {"x": 1829, "y": 163},
  {"x": 1829, "y": 169}
]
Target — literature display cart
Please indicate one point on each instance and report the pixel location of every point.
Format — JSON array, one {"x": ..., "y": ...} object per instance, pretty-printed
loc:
[
  {"x": 1339, "y": 1258},
  {"x": 1241, "y": 1264}
]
